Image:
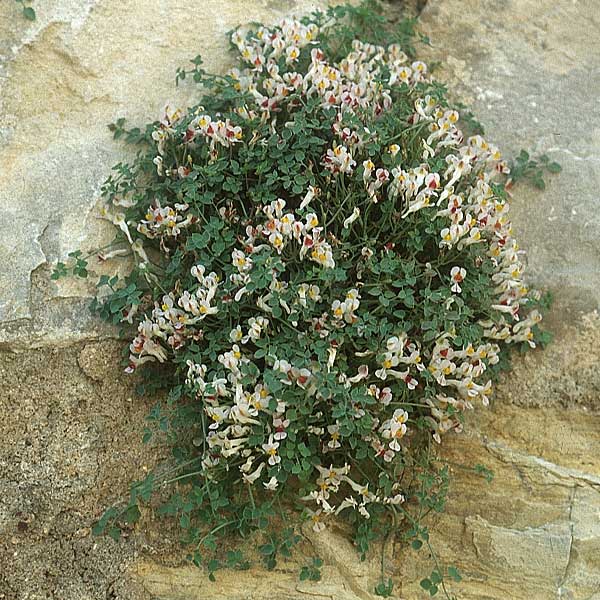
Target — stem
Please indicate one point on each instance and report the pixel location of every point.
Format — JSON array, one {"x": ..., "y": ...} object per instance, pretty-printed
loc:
[
  {"x": 180, "y": 477},
  {"x": 251, "y": 495},
  {"x": 213, "y": 531},
  {"x": 439, "y": 570}
]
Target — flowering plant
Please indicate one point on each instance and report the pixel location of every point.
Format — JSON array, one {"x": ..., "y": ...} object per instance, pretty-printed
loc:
[{"x": 325, "y": 275}]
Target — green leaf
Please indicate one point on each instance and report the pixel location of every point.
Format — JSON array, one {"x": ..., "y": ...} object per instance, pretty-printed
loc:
[
  {"x": 29, "y": 13},
  {"x": 524, "y": 155},
  {"x": 185, "y": 521},
  {"x": 384, "y": 588},
  {"x": 132, "y": 515},
  {"x": 98, "y": 527},
  {"x": 267, "y": 549}
]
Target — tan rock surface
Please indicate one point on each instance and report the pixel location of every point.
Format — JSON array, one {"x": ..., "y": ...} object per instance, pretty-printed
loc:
[
  {"x": 70, "y": 446},
  {"x": 533, "y": 533}
]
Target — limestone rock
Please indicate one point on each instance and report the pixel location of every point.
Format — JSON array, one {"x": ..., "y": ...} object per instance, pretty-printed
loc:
[
  {"x": 64, "y": 77},
  {"x": 70, "y": 444},
  {"x": 530, "y": 69},
  {"x": 530, "y": 534}
]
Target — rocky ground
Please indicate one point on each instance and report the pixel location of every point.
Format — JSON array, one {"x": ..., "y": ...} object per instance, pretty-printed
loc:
[{"x": 71, "y": 431}]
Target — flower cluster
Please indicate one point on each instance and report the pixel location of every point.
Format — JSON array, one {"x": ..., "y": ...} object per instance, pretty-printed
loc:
[
  {"x": 164, "y": 221},
  {"x": 334, "y": 277}
]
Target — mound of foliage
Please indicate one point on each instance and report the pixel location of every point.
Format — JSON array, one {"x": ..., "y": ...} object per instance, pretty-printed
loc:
[{"x": 325, "y": 280}]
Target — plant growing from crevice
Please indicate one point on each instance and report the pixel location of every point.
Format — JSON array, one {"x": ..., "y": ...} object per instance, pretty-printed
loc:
[
  {"x": 532, "y": 170},
  {"x": 324, "y": 281}
]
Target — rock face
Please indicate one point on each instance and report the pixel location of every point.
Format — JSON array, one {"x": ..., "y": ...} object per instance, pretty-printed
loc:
[
  {"x": 65, "y": 76},
  {"x": 532, "y": 533},
  {"x": 530, "y": 69},
  {"x": 70, "y": 446}
]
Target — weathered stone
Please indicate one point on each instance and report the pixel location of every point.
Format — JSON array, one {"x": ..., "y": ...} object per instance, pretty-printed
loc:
[
  {"x": 343, "y": 577},
  {"x": 532, "y": 533},
  {"x": 70, "y": 446},
  {"x": 531, "y": 70},
  {"x": 65, "y": 76}
]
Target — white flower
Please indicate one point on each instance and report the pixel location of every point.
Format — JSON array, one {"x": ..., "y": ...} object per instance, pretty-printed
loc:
[
  {"x": 368, "y": 167},
  {"x": 318, "y": 524},
  {"x": 397, "y": 499},
  {"x": 312, "y": 221},
  {"x": 271, "y": 484},
  {"x": 332, "y": 353},
  {"x": 218, "y": 414},
  {"x": 348, "y": 502},
  {"x": 457, "y": 275},
  {"x": 276, "y": 240},
  {"x": 363, "y": 373},
  {"x": 323, "y": 255},
  {"x": 349, "y": 220},
  {"x": 334, "y": 432},
  {"x": 241, "y": 261},
  {"x": 270, "y": 449},
  {"x": 312, "y": 192},
  {"x": 235, "y": 335},
  {"x": 280, "y": 425},
  {"x": 339, "y": 160},
  {"x": 254, "y": 475}
]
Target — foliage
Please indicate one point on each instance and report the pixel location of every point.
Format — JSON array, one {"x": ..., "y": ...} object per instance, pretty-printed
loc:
[
  {"x": 325, "y": 280},
  {"x": 27, "y": 11},
  {"x": 527, "y": 169},
  {"x": 312, "y": 571}
]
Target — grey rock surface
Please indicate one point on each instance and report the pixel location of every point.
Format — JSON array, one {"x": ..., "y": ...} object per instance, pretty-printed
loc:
[
  {"x": 530, "y": 70},
  {"x": 63, "y": 78}
]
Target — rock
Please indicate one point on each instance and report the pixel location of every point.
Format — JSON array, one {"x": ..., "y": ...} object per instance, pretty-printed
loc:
[
  {"x": 187, "y": 583},
  {"x": 532, "y": 533},
  {"x": 70, "y": 446},
  {"x": 65, "y": 76},
  {"x": 530, "y": 70},
  {"x": 98, "y": 359},
  {"x": 70, "y": 443},
  {"x": 517, "y": 536}
]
